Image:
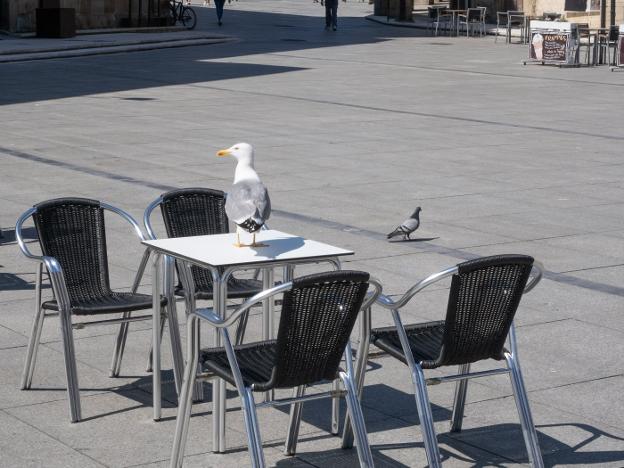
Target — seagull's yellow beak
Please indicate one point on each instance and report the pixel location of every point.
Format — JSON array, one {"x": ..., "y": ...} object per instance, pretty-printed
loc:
[{"x": 225, "y": 152}]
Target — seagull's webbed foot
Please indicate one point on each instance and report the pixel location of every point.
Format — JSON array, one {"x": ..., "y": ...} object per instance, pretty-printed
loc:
[{"x": 257, "y": 244}]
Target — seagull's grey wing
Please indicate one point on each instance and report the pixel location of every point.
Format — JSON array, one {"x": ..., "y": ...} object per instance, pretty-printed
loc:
[
  {"x": 265, "y": 212},
  {"x": 410, "y": 224},
  {"x": 247, "y": 200}
]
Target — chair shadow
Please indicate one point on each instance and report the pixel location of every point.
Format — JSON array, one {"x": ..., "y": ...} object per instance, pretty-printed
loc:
[
  {"x": 8, "y": 235},
  {"x": 12, "y": 282},
  {"x": 502, "y": 439}
]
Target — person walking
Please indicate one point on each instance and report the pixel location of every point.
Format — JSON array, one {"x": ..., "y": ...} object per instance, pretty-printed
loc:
[
  {"x": 219, "y": 5},
  {"x": 331, "y": 14}
]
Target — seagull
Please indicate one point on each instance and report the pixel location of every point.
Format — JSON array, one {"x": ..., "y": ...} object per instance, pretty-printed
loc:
[
  {"x": 247, "y": 202},
  {"x": 408, "y": 226}
]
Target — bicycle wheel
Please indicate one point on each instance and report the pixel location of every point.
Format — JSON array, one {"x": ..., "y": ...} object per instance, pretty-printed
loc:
[{"x": 188, "y": 18}]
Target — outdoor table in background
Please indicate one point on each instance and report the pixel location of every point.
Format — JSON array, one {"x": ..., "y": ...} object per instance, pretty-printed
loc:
[{"x": 218, "y": 254}]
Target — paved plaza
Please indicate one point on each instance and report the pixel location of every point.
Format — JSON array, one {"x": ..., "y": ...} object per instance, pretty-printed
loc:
[{"x": 353, "y": 129}]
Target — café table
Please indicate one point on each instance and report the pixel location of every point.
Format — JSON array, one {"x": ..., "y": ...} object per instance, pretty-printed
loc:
[{"x": 218, "y": 254}]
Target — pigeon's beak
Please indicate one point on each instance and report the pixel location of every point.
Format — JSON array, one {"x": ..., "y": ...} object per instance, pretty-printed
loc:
[{"x": 225, "y": 152}]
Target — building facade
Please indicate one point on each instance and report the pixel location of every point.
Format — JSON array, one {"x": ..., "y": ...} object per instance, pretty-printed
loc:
[{"x": 18, "y": 16}]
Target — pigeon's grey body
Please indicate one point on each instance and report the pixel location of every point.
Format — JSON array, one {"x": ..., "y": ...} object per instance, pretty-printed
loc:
[
  {"x": 248, "y": 205},
  {"x": 408, "y": 226}
]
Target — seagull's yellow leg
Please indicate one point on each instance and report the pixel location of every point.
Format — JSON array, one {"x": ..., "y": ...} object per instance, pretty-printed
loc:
[
  {"x": 238, "y": 242},
  {"x": 255, "y": 244}
]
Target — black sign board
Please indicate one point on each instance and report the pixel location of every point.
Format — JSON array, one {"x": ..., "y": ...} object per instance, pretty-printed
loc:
[{"x": 549, "y": 46}]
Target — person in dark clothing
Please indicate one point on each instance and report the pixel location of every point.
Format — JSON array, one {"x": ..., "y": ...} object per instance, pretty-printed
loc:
[
  {"x": 219, "y": 4},
  {"x": 331, "y": 14}
]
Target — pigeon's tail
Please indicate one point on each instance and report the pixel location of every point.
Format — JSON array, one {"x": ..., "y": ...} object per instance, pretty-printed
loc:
[{"x": 397, "y": 232}]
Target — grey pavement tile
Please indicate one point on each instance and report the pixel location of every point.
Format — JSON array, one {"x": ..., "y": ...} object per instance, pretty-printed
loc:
[
  {"x": 340, "y": 143},
  {"x": 586, "y": 347},
  {"x": 565, "y": 438},
  {"x": 10, "y": 339},
  {"x": 25, "y": 446},
  {"x": 596, "y": 401}
]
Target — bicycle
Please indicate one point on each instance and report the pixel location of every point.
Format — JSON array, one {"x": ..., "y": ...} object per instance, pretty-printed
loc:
[{"x": 184, "y": 14}]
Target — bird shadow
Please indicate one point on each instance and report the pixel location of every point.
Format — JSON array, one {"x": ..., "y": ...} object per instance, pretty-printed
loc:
[
  {"x": 275, "y": 247},
  {"x": 420, "y": 239}
]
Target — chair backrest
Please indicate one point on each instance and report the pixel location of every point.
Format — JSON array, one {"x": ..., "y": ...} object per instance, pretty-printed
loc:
[
  {"x": 72, "y": 231},
  {"x": 318, "y": 315},
  {"x": 614, "y": 32},
  {"x": 515, "y": 18},
  {"x": 483, "y": 300},
  {"x": 583, "y": 29},
  {"x": 195, "y": 212},
  {"x": 474, "y": 14}
]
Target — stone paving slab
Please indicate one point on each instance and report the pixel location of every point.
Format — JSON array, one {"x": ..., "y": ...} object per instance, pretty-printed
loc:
[{"x": 353, "y": 129}]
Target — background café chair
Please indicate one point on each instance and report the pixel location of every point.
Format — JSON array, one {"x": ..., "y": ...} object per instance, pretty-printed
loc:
[
  {"x": 318, "y": 315},
  {"x": 191, "y": 212},
  {"x": 483, "y": 300},
  {"x": 515, "y": 19},
  {"x": 585, "y": 40},
  {"x": 438, "y": 17},
  {"x": 502, "y": 18},
  {"x": 609, "y": 41},
  {"x": 72, "y": 237},
  {"x": 474, "y": 18}
]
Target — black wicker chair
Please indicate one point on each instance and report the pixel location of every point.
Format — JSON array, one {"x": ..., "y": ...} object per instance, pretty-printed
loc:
[
  {"x": 318, "y": 314},
  {"x": 191, "y": 212},
  {"x": 483, "y": 300},
  {"x": 72, "y": 237}
]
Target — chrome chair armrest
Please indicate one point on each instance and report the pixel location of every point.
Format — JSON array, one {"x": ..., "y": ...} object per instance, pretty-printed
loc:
[
  {"x": 127, "y": 217},
  {"x": 147, "y": 214},
  {"x": 411, "y": 292},
  {"x": 538, "y": 268},
  {"x": 371, "y": 296},
  {"x": 218, "y": 322},
  {"x": 20, "y": 239}
]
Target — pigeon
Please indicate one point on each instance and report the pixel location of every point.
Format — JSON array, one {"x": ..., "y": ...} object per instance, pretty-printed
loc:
[
  {"x": 408, "y": 226},
  {"x": 247, "y": 203}
]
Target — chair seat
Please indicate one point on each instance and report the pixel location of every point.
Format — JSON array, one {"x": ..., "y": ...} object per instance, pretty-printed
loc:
[
  {"x": 237, "y": 289},
  {"x": 255, "y": 360},
  {"x": 425, "y": 341},
  {"x": 112, "y": 303}
]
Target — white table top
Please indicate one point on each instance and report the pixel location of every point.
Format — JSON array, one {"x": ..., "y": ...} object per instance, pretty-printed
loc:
[{"x": 219, "y": 250}]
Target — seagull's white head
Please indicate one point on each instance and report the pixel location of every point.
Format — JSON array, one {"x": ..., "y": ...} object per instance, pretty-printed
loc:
[{"x": 243, "y": 152}]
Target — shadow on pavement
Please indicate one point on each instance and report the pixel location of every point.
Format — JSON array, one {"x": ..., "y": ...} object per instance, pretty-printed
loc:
[{"x": 259, "y": 32}]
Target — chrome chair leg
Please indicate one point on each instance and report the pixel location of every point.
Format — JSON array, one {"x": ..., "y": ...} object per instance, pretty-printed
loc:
[
  {"x": 71, "y": 371},
  {"x": 426, "y": 418},
  {"x": 526, "y": 420},
  {"x": 186, "y": 395},
  {"x": 241, "y": 327},
  {"x": 35, "y": 335},
  {"x": 296, "y": 409},
  {"x": 256, "y": 428},
  {"x": 120, "y": 344},
  {"x": 176, "y": 345},
  {"x": 460, "y": 399},
  {"x": 157, "y": 314},
  {"x": 150, "y": 358},
  {"x": 360, "y": 373},
  {"x": 335, "y": 409},
  {"x": 359, "y": 428}
]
